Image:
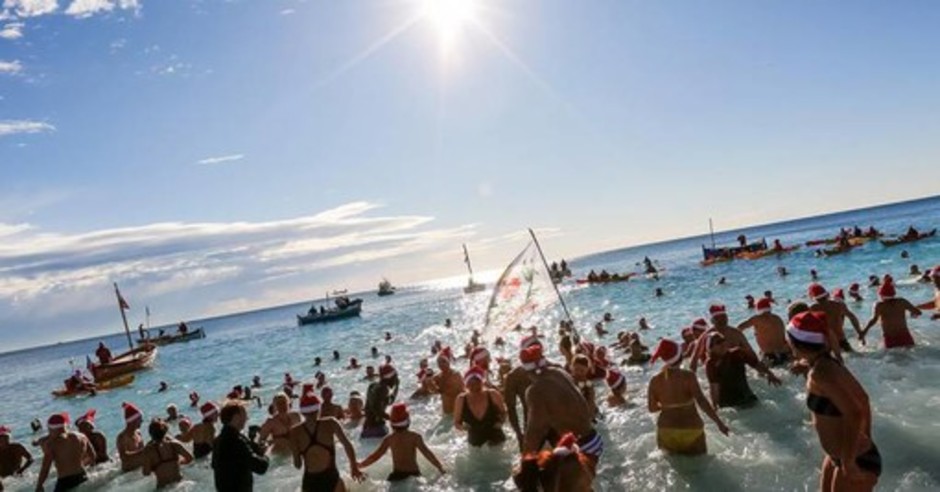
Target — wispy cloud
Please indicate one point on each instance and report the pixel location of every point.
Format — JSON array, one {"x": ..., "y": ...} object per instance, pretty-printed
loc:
[
  {"x": 12, "y": 30},
  {"x": 30, "y": 8},
  {"x": 14, "y": 127},
  {"x": 287, "y": 11},
  {"x": 87, "y": 8},
  {"x": 47, "y": 275},
  {"x": 221, "y": 159},
  {"x": 10, "y": 67}
]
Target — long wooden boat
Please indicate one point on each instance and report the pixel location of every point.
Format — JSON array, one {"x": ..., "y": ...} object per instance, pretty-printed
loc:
[
  {"x": 904, "y": 240},
  {"x": 732, "y": 251},
  {"x": 108, "y": 384},
  {"x": 131, "y": 361},
  {"x": 313, "y": 317},
  {"x": 196, "y": 334}
]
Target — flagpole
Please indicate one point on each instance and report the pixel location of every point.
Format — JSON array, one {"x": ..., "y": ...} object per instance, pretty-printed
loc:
[
  {"x": 127, "y": 330},
  {"x": 554, "y": 286}
]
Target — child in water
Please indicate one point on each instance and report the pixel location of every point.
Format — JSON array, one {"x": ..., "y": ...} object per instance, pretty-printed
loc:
[{"x": 405, "y": 445}]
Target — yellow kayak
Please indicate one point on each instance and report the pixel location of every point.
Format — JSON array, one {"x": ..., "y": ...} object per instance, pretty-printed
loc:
[{"x": 106, "y": 385}]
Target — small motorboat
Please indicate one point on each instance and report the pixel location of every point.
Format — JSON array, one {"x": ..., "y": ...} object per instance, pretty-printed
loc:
[
  {"x": 108, "y": 384},
  {"x": 160, "y": 341},
  {"x": 386, "y": 288},
  {"x": 131, "y": 361},
  {"x": 350, "y": 310}
]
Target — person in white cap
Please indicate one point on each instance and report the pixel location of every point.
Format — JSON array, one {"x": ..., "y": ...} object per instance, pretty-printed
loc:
[
  {"x": 14, "y": 458},
  {"x": 405, "y": 445},
  {"x": 770, "y": 332},
  {"x": 674, "y": 393},
  {"x": 313, "y": 442},
  {"x": 69, "y": 451},
  {"x": 129, "y": 441}
]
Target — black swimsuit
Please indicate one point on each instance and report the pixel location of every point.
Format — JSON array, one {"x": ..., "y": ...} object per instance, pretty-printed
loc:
[
  {"x": 327, "y": 479},
  {"x": 485, "y": 430},
  {"x": 202, "y": 449},
  {"x": 70, "y": 482}
]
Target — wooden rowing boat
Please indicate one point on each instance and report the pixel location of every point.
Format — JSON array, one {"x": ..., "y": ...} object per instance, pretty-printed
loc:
[{"x": 134, "y": 360}]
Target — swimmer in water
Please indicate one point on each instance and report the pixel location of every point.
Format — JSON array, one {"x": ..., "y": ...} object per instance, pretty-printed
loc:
[
  {"x": 580, "y": 373},
  {"x": 599, "y": 329},
  {"x": 447, "y": 323},
  {"x": 447, "y": 382},
  {"x": 618, "y": 389},
  {"x": 749, "y": 299},
  {"x": 480, "y": 411},
  {"x": 202, "y": 434},
  {"x": 836, "y": 314},
  {"x": 327, "y": 407},
  {"x": 674, "y": 393},
  {"x": 371, "y": 375},
  {"x": 608, "y": 318},
  {"x": 335, "y": 355},
  {"x": 771, "y": 334},
  {"x": 840, "y": 409},
  {"x": 256, "y": 382},
  {"x": 163, "y": 387},
  {"x": 814, "y": 275},
  {"x": 375, "y": 352},
  {"x": 388, "y": 336},
  {"x": 643, "y": 325},
  {"x": 915, "y": 271},
  {"x": 317, "y": 361},
  {"x": 638, "y": 353},
  {"x": 354, "y": 413},
  {"x": 68, "y": 452},
  {"x": 405, "y": 445},
  {"x": 353, "y": 364},
  {"x": 659, "y": 292},
  {"x": 874, "y": 281},
  {"x": 727, "y": 373},
  {"x": 129, "y": 441},
  {"x": 782, "y": 271},
  {"x": 86, "y": 425},
  {"x": 854, "y": 293},
  {"x": 313, "y": 443},
  {"x": 163, "y": 455},
  {"x": 892, "y": 312},
  {"x": 275, "y": 431},
  {"x": 935, "y": 303}
]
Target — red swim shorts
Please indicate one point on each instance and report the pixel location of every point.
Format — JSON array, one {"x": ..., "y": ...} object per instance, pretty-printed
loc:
[{"x": 903, "y": 340}]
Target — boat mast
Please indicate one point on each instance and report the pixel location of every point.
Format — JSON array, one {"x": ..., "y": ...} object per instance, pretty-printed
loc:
[
  {"x": 122, "y": 305},
  {"x": 711, "y": 231},
  {"x": 466, "y": 259},
  {"x": 554, "y": 286}
]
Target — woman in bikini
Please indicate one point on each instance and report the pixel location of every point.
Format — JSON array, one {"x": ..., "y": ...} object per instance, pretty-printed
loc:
[
  {"x": 314, "y": 447},
  {"x": 674, "y": 393},
  {"x": 480, "y": 411},
  {"x": 840, "y": 409},
  {"x": 162, "y": 456},
  {"x": 276, "y": 429}
]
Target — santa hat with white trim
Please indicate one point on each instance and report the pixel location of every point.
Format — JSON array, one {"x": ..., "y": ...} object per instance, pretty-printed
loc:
[
  {"x": 615, "y": 379},
  {"x": 399, "y": 417},
  {"x": 208, "y": 410},
  {"x": 817, "y": 292},
  {"x": 131, "y": 413},
  {"x": 479, "y": 355},
  {"x": 529, "y": 341},
  {"x": 567, "y": 445},
  {"x": 668, "y": 351},
  {"x": 532, "y": 358},
  {"x": 58, "y": 421},
  {"x": 716, "y": 310},
  {"x": 475, "y": 372},
  {"x": 809, "y": 327},
  {"x": 699, "y": 325},
  {"x": 309, "y": 402},
  {"x": 887, "y": 291},
  {"x": 387, "y": 371},
  {"x": 5, "y": 431},
  {"x": 764, "y": 305}
]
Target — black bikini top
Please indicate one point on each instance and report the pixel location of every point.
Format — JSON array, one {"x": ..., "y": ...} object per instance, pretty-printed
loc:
[{"x": 820, "y": 405}]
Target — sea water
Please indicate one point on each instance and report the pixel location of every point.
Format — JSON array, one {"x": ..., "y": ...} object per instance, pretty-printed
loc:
[{"x": 771, "y": 446}]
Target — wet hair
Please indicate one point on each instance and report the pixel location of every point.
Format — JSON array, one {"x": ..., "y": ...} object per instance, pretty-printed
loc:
[
  {"x": 229, "y": 411},
  {"x": 806, "y": 346},
  {"x": 158, "y": 429}
]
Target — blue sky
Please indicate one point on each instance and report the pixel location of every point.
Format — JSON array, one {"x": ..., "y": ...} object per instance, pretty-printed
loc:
[{"x": 223, "y": 155}]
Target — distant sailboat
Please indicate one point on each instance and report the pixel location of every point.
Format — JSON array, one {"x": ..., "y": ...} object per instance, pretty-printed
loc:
[
  {"x": 471, "y": 285},
  {"x": 386, "y": 288}
]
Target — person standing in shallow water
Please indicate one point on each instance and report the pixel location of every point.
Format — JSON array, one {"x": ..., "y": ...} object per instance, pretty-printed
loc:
[
  {"x": 892, "y": 312},
  {"x": 480, "y": 411},
  {"x": 447, "y": 383},
  {"x": 14, "y": 458},
  {"x": 836, "y": 314},
  {"x": 840, "y": 409},
  {"x": 129, "y": 441},
  {"x": 86, "y": 425},
  {"x": 314, "y": 447},
  {"x": 70, "y": 452},
  {"x": 276, "y": 429},
  {"x": 162, "y": 456},
  {"x": 727, "y": 375},
  {"x": 378, "y": 398},
  {"x": 674, "y": 393},
  {"x": 405, "y": 446},
  {"x": 235, "y": 458},
  {"x": 771, "y": 334}
]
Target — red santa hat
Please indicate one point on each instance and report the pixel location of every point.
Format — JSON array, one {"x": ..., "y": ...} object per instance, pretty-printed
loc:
[
  {"x": 474, "y": 373},
  {"x": 817, "y": 291},
  {"x": 716, "y": 310},
  {"x": 529, "y": 341},
  {"x": 764, "y": 305},
  {"x": 532, "y": 359},
  {"x": 5, "y": 431},
  {"x": 838, "y": 295},
  {"x": 89, "y": 417},
  {"x": 854, "y": 287},
  {"x": 58, "y": 421},
  {"x": 208, "y": 410},
  {"x": 567, "y": 445},
  {"x": 446, "y": 353},
  {"x": 309, "y": 402},
  {"x": 809, "y": 327},
  {"x": 131, "y": 413},
  {"x": 887, "y": 291},
  {"x": 936, "y": 272},
  {"x": 668, "y": 351},
  {"x": 700, "y": 325},
  {"x": 387, "y": 371},
  {"x": 615, "y": 379},
  {"x": 687, "y": 331},
  {"x": 399, "y": 417},
  {"x": 478, "y": 355}
]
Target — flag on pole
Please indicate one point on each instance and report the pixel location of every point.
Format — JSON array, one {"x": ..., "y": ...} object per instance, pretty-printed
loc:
[
  {"x": 466, "y": 256},
  {"x": 121, "y": 302},
  {"x": 523, "y": 290}
]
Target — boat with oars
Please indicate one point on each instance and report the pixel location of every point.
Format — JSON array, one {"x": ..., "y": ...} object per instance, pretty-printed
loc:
[{"x": 135, "y": 359}]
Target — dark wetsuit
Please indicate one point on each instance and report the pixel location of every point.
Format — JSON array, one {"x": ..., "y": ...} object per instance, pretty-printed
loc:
[
  {"x": 730, "y": 373},
  {"x": 321, "y": 481},
  {"x": 70, "y": 482},
  {"x": 377, "y": 399},
  {"x": 201, "y": 449},
  {"x": 485, "y": 430},
  {"x": 398, "y": 476},
  {"x": 235, "y": 459}
]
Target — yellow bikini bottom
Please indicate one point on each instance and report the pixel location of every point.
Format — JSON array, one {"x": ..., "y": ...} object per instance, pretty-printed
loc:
[{"x": 679, "y": 440}]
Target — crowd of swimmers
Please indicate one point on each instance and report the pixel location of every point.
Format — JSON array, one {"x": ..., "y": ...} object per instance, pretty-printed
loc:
[{"x": 552, "y": 407}]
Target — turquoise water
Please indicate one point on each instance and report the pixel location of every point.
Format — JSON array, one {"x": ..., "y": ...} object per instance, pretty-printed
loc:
[{"x": 772, "y": 447}]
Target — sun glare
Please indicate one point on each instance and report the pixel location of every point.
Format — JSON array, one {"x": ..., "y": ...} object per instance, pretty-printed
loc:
[{"x": 448, "y": 18}]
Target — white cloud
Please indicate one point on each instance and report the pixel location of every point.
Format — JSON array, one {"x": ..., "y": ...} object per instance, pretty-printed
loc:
[
  {"x": 287, "y": 11},
  {"x": 87, "y": 8},
  {"x": 30, "y": 8},
  {"x": 10, "y": 67},
  {"x": 221, "y": 159},
  {"x": 14, "y": 127},
  {"x": 12, "y": 30}
]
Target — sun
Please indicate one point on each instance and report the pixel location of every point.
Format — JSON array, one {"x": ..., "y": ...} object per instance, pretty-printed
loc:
[{"x": 448, "y": 18}]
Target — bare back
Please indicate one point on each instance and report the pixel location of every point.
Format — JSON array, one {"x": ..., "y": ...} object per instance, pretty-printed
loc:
[{"x": 555, "y": 406}]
